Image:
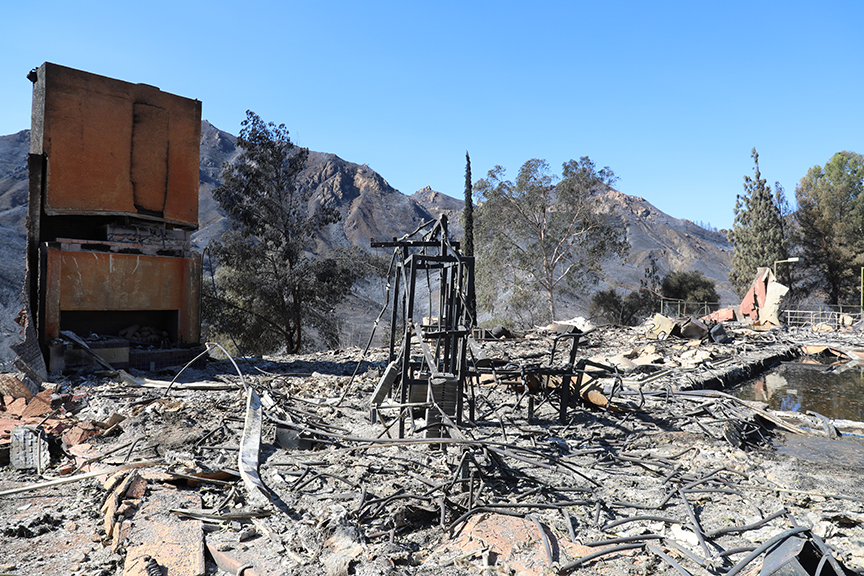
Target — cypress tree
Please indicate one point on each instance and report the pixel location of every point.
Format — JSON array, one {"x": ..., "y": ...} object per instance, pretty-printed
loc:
[
  {"x": 468, "y": 226},
  {"x": 468, "y": 211}
]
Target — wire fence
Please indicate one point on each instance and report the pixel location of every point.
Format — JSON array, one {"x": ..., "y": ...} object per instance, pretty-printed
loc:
[{"x": 679, "y": 308}]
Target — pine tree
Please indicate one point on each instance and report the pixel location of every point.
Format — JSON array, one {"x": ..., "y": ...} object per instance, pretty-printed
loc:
[
  {"x": 271, "y": 290},
  {"x": 689, "y": 286},
  {"x": 831, "y": 215},
  {"x": 758, "y": 235}
]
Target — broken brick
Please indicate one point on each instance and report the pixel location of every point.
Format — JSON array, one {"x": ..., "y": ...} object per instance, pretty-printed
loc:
[
  {"x": 79, "y": 433},
  {"x": 137, "y": 488},
  {"x": 127, "y": 508}
]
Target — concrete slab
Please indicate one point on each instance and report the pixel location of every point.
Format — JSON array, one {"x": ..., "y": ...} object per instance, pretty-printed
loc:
[
  {"x": 508, "y": 539},
  {"x": 174, "y": 542}
]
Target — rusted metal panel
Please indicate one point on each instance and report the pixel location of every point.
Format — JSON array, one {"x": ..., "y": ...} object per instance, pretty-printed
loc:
[
  {"x": 149, "y": 169},
  {"x": 97, "y": 281},
  {"x": 106, "y": 281},
  {"x": 113, "y": 147},
  {"x": 190, "y": 313}
]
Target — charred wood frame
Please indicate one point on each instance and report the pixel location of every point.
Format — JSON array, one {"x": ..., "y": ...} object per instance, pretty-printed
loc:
[
  {"x": 113, "y": 200},
  {"x": 431, "y": 365}
]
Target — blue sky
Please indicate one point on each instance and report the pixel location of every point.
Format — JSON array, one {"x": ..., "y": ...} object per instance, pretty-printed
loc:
[{"x": 671, "y": 95}]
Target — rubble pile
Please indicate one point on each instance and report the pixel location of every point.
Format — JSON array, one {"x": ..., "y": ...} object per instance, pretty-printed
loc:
[
  {"x": 278, "y": 469},
  {"x": 145, "y": 334}
]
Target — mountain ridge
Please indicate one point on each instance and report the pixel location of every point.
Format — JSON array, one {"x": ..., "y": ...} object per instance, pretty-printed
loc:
[{"x": 372, "y": 209}]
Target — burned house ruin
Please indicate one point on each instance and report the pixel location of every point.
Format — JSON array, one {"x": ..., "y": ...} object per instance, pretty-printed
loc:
[{"x": 113, "y": 201}]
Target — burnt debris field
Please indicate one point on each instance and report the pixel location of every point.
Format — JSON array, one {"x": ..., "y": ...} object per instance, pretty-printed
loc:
[{"x": 280, "y": 466}]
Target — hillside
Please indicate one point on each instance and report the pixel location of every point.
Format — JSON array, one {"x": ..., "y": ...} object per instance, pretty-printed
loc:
[
  {"x": 13, "y": 169},
  {"x": 371, "y": 208},
  {"x": 13, "y": 214},
  {"x": 675, "y": 244},
  {"x": 438, "y": 204}
]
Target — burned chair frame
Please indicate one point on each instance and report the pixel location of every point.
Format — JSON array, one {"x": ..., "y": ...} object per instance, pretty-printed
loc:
[{"x": 535, "y": 378}]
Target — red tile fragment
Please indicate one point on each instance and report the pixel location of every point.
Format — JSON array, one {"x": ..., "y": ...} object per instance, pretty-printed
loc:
[
  {"x": 6, "y": 426},
  {"x": 39, "y": 405},
  {"x": 79, "y": 433},
  {"x": 12, "y": 386},
  {"x": 137, "y": 488},
  {"x": 514, "y": 540},
  {"x": 17, "y": 407}
]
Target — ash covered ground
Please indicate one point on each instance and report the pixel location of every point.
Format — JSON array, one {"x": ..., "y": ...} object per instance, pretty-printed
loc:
[{"x": 653, "y": 470}]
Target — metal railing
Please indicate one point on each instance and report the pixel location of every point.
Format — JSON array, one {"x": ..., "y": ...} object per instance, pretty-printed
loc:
[{"x": 834, "y": 317}]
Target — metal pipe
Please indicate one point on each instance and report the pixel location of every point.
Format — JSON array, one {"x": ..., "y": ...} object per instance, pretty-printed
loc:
[
  {"x": 605, "y": 552},
  {"x": 609, "y": 525},
  {"x": 747, "y": 527},
  {"x": 668, "y": 559},
  {"x": 765, "y": 546}
]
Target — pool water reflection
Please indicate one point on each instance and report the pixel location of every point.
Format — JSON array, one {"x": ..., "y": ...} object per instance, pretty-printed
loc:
[{"x": 828, "y": 390}]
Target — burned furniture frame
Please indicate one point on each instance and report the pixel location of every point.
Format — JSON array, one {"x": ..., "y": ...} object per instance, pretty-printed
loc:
[
  {"x": 435, "y": 378},
  {"x": 535, "y": 377},
  {"x": 572, "y": 369}
]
